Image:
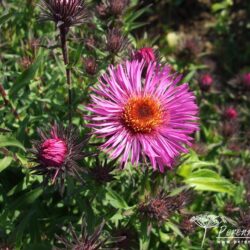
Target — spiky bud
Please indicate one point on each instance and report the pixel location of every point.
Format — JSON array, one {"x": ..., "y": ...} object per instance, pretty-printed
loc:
[
  {"x": 57, "y": 154},
  {"x": 244, "y": 221},
  {"x": 187, "y": 226},
  {"x": 84, "y": 241},
  {"x": 102, "y": 171},
  {"x": 90, "y": 43},
  {"x": 228, "y": 129},
  {"x": 117, "y": 7},
  {"x": 65, "y": 13},
  {"x": 90, "y": 65},
  {"x": 241, "y": 174},
  {"x": 102, "y": 10},
  {"x": 116, "y": 42},
  {"x": 25, "y": 62},
  {"x": 163, "y": 206}
]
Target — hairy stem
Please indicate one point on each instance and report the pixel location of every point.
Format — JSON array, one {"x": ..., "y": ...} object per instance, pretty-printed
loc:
[{"x": 63, "y": 35}]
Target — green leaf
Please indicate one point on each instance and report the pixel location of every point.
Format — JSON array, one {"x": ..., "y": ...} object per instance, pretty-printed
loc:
[
  {"x": 5, "y": 162},
  {"x": 115, "y": 199},
  {"x": 211, "y": 184},
  {"x": 6, "y": 141},
  {"x": 4, "y": 18},
  {"x": 26, "y": 76},
  {"x": 189, "y": 76},
  {"x": 26, "y": 199},
  {"x": 174, "y": 228},
  {"x": 207, "y": 173},
  {"x": 196, "y": 174}
]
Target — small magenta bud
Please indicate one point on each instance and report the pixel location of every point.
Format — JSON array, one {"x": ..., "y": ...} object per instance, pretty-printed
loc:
[{"x": 206, "y": 81}]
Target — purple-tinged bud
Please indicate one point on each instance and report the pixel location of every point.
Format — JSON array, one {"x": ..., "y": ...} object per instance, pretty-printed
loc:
[
  {"x": 90, "y": 65},
  {"x": 240, "y": 174},
  {"x": 64, "y": 13},
  {"x": 57, "y": 154},
  {"x": 163, "y": 206},
  {"x": 117, "y": 7},
  {"x": 206, "y": 81},
  {"x": 53, "y": 152},
  {"x": 230, "y": 208},
  {"x": 85, "y": 241},
  {"x": 102, "y": 10},
  {"x": 90, "y": 43},
  {"x": 187, "y": 226},
  {"x": 116, "y": 42},
  {"x": 228, "y": 128},
  {"x": 102, "y": 172},
  {"x": 246, "y": 80},
  {"x": 146, "y": 54},
  {"x": 231, "y": 113},
  {"x": 25, "y": 62}
]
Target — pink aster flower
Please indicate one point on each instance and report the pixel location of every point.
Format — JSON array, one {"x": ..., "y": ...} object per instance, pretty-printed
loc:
[{"x": 143, "y": 118}]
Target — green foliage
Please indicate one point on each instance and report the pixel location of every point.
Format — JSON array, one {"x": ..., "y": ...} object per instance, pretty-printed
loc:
[{"x": 34, "y": 94}]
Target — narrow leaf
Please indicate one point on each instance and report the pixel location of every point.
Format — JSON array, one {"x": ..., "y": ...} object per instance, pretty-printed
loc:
[
  {"x": 6, "y": 141},
  {"x": 5, "y": 162}
]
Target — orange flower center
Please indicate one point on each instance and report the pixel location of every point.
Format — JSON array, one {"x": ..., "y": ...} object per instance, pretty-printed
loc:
[{"x": 142, "y": 114}]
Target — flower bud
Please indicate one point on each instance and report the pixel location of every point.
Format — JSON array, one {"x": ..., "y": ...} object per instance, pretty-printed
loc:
[
  {"x": 206, "y": 81},
  {"x": 117, "y": 7},
  {"x": 90, "y": 65},
  {"x": 231, "y": 113},
  {"x": 116, "y": 42},
  {"x": 246, "y": 80},
  {"x": 53, "y": 152}
]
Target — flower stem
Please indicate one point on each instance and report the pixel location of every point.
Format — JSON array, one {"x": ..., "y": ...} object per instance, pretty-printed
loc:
[
  {"x": 204, "y": 237},
  {"x": 63, "y": 35}
]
